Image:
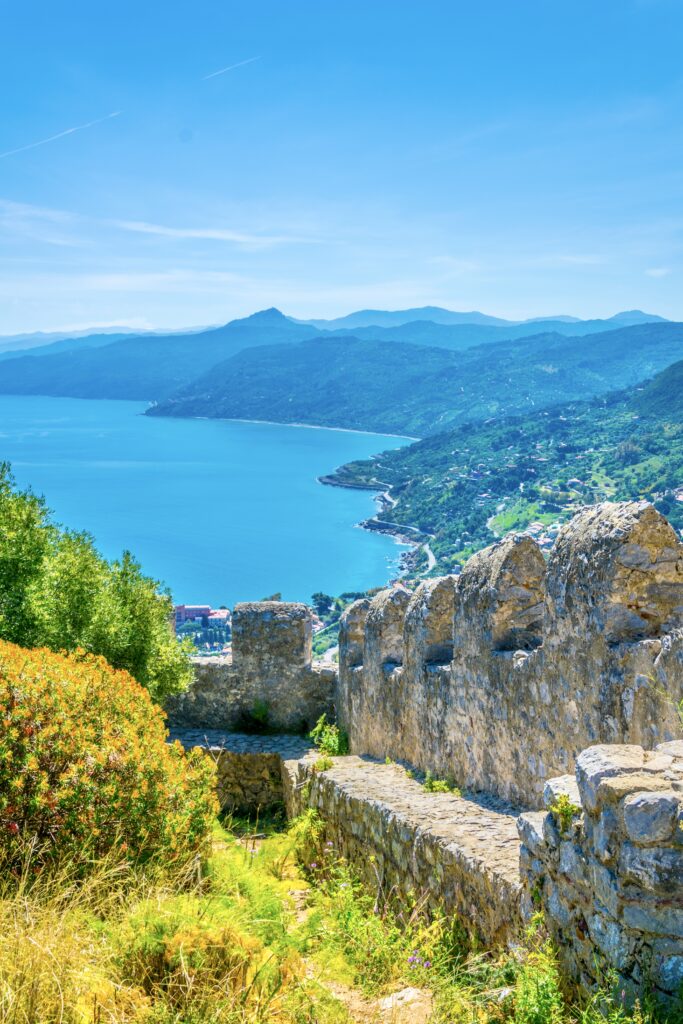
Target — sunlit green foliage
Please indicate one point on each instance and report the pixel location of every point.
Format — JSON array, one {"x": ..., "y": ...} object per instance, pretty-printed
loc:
[
  {"x": 85, "y": 769},
  {"x": 57, "y": 591}
]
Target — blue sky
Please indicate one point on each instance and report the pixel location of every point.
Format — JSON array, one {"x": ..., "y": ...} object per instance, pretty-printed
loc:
[{"x": 523, "y": 158}]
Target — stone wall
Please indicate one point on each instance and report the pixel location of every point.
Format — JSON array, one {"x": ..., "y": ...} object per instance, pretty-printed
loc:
[
  {"x": 509, "y": 679},
  {"x": 249, "y": 776},
  {"x": 609, "y": 877},
  {"x": 501, "y": 676},
  {"x": 269, "y": 680},
  {"x": 451, "y": 854}
]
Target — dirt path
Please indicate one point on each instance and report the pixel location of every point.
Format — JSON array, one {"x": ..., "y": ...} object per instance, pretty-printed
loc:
[{"x": 405, "y": 1006}]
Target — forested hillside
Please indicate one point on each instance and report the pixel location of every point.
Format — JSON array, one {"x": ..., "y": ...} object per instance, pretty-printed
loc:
[
  {"x": 470, "y": 485},
  {"x": 397, "y": 388}
]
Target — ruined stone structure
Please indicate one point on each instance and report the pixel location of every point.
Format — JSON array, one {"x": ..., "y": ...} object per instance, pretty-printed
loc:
[
  {"x": 501, "y": 676},
  {"x": 458, "y": 855},
  {"x": 610, "y": 874},
  {"x": 270, "y": 680},
  {"x": 515, "y": 673}
]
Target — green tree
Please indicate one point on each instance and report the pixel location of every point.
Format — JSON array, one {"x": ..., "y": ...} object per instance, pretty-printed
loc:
[
  {"x": 24, "y": 541},
  {"x": 57, "y": 591},
  {"x": 322, "y": 602}
]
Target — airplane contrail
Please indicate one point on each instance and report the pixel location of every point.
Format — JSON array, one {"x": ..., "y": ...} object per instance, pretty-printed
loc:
[
  {"x": 231, "y": 67},
  {"x": 59, "y": 135}
]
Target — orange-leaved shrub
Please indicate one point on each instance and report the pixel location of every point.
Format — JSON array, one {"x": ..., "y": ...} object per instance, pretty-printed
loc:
[{"x": 85, "y": 769}]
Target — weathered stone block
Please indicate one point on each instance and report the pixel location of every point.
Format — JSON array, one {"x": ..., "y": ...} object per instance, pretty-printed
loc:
[
  {"x": 667, "y": 973},
  {"x": 573, "y": 862},
  {"x": 277, "y": 631},
  {"x": 602, "y": 762},
  {"x": 673, "y": 748},
  {"x": 650, "y": 817},
  {"x": 655, "y": 918},
  {"x": 530, "y": 830},
  {"x": 617, "y": 946},
  {"x": 605, "y": 886},
  {"x": 657, "y": 869},
  {"x": 564, "y": 785},
  {"x": 603, "y": 835}
]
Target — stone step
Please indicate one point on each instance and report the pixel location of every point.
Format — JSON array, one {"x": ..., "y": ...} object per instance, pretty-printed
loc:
[
  {"x": 248, "y": 767},
  {"x": 286, "y": 745}
]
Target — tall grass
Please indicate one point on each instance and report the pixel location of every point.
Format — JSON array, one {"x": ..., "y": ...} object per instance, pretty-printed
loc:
[
  {"x": 128, "y": 945},
  {"x": 255, "y": 936}
]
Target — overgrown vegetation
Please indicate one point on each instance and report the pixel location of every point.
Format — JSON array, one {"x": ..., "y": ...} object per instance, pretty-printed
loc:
[
  {"x": 564, "y": 811},
  {"x": 329, "y": 738},
  {"x": 85, "y": 769},
  {"x": 273, "y": 930},
  {"x": 433, "y": 785},
  {"x": 56, "y": 591}
]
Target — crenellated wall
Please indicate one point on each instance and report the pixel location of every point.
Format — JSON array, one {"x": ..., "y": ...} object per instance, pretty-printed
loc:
[
  {"x": 501, "y": 676},
  {"x": 270, "y": 679}
]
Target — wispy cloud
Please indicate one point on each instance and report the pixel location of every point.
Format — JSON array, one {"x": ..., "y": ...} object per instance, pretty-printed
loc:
[
  {"x": 60, "y": 135},
  {"x": 211, "y": 234},
  {"x": 658, "y": 271},
  {"x": 231, "y": 67},
  {"x": 38, "y": 223}
]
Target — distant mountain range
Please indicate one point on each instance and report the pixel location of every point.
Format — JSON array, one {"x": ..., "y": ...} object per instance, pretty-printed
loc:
[
  {"x": 522, "y": 421},
  {"x": 15, "y": 343},
  {"x": 153, "y": 367},
  {"x": 438, "y": 315},
  {"x": 394, "y": 387},
  {"x": 143, "y": 367}
]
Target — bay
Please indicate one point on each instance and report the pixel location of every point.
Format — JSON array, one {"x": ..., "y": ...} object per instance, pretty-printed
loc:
[{"x": 220, "y": 511}]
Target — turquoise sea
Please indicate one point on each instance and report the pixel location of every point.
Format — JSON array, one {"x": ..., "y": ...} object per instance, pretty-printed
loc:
[{"x": 221, "y": 511}]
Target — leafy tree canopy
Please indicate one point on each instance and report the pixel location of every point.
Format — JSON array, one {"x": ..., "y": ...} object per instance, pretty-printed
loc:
[{"x": 57, "y": 591}]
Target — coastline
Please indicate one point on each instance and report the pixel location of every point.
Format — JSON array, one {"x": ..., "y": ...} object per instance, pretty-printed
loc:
[
  {"x": 280, "y": 423},
  {"x": 408, "y": 536},
  {"x": 314, "y": 426},
  {"x": 401, "y": 534}
]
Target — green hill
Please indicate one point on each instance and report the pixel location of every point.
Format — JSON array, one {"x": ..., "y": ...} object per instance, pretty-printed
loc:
[
  {"x": 391, "y": 387},
  {"x": 467, "y": 486},
  {"x": 153, "y": 366},
  {"x": 663, "y": 396}
]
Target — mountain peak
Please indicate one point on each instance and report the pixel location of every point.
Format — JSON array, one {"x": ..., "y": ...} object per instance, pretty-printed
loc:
[
  {"x": 268, "y": 316},
  {"x": 636, "y": 316}
]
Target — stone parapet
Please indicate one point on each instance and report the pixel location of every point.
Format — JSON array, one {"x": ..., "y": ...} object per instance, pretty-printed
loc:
[
  {"x": 268, "y": 681},
  {"x": 605, "y": 865},
  {"x": 460, "y": 856},
  {"x": 501, "y": 676}
]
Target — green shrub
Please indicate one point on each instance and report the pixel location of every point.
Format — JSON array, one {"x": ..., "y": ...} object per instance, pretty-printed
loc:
[
  {"x": 329, "y": 738},
  {"x": 57, "y": 591},
  {"x": 307, "y": 837},
  {"x": 433, "y": 785},
  {"x": 85, "y": 769},
  {"x": 564, "y": 812},
  {"x": 537, "y": 997}
]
